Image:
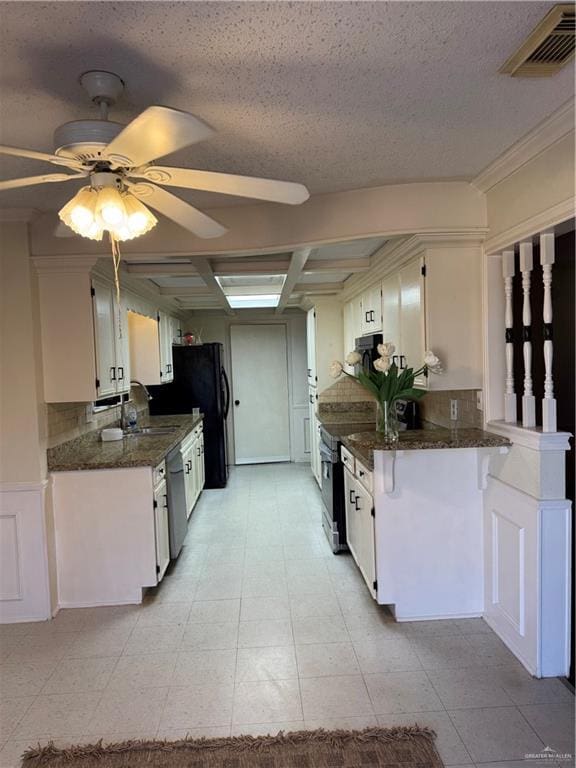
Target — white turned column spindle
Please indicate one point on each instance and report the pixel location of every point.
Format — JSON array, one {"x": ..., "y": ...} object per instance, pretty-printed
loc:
[
  {"x": 509, "y": 394},
  {"x": 548, "y": 402},
  {"x": 528, "y": 399}
]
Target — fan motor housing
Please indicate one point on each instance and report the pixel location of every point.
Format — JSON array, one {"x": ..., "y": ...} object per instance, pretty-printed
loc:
[{"x": 85, "y": 139}]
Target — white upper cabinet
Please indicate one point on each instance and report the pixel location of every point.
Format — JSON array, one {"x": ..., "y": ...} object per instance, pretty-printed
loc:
[
  {"x": 352, "y": 327},
  {"x": 176, "y": 330},
  {"x": 151, "y": 348},
  {"x": 371, "y": 310},
  {"x": 324, "y": 340},
  {"x": 84, "y": 338},
  {"x": 165, "y": 340},
  {"x": 311, "y": 346},
  {"x": 433, "y": 302}
]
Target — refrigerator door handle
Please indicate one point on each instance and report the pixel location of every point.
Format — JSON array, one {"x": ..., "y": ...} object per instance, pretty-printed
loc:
[{"x": 227, "y": 387}]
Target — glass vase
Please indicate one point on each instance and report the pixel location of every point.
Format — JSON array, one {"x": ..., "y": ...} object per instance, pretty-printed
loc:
[{"x": 387, "y": 421}]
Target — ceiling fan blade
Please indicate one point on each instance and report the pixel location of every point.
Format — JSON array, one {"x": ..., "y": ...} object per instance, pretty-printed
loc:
[
  {"x": 69, "y": 162},
  {"x": 47, "y": 178},
  {"x": 156, "y": 132},
  {"x": 227, "y": 184},
  {"x": 176, "y": 209}
]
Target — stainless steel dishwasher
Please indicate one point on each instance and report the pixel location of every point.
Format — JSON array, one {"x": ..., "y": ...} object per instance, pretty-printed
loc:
[{"x": 177, "y": 520}]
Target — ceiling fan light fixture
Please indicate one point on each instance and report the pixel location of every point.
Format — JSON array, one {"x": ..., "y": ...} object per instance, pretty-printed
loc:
[
  {"x": 139, "y": 219},
  {"x": 80, "y": 214},
  {"x": 110, "y": 208}
]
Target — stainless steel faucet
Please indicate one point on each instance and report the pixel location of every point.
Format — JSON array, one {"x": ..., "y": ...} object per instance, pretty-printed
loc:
[{"x": 123, "y": 403}]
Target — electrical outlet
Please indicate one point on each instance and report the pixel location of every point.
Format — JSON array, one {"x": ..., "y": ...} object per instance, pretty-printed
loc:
[
  {"x": 454, "y": 410},
  {"x": 480, "y": 400}
]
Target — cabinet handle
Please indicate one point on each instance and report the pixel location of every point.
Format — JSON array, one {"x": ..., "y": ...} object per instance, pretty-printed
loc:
[
  {"x": 198, "y": 451},
  {"x": 360, "y": 473},
  {"x": 402, "y": 364},
  {"x": 309, "y": 372},
  {"x": 202, "y": 449},
  {"x": 165, "y": 501},
  {"x": 113, "y": 373},
  {"x": 356, "y": 504},
  {"x": 120, "y": 373},
  {"x": 351, "y": 497},
  {"x": 367, "y": 316},
  {"x": 395, "y": 359},
  {"x": 188, "y": 467},
  {"x": 311, "y": 398},
  {"x": 371, "y": 315}
]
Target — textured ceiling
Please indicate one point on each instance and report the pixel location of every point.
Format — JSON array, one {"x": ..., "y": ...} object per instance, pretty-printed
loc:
[{"x": 336, "y": 95}]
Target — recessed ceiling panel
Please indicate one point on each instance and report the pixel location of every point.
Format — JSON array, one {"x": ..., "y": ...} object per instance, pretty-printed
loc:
[{"x": 324, "y": 277}]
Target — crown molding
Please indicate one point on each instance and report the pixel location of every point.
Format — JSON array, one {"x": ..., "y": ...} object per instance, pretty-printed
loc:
[
  {"x": 552, "y": 216},
  {"x": 544, "y": 135},
  {"x": 18, "y": 214},
  {"x": 63, "y": 264},
  {"x": 394, "y": 255}
]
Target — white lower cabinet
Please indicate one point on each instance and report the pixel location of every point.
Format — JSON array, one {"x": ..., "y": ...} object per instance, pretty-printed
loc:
[
  {"x": 360, "y": 523},
  {"x": 111, "y": 532},
  {"x": 315, "y": 462},
  {"x": 194, "y": 471},
  {"x": 161, "y": 528}
]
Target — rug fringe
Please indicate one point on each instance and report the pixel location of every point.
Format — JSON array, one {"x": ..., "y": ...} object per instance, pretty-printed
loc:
[{"x": 233, "y": 743}]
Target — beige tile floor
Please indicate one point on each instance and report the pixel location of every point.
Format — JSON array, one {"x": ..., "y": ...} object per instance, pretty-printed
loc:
[{"x": 257, "y": 628}]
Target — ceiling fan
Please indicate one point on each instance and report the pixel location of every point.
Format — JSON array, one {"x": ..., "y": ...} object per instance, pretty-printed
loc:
[{"x": 116, "y": 160}]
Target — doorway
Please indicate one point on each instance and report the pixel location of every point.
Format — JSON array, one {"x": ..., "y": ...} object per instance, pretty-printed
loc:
[{"x": 260, "y": 393}]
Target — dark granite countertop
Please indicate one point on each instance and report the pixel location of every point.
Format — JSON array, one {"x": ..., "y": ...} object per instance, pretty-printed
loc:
[
  {"x": 89, "y": 452},
  {"x": 363, "y": 444}
]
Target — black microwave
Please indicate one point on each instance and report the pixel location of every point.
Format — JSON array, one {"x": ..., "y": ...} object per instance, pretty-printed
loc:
[{"x": 367, "y": 346}]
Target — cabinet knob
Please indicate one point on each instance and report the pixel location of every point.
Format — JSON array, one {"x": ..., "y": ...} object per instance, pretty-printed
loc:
[{"x": 236, "y": 402}]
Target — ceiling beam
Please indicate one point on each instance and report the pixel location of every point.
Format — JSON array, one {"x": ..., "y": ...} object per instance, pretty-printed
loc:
[
  {"x": 299, "y": 259},
  {"x": 206, "y": 273},
  {"x": 315, "y": 288},
  {"x": 159, "y": 270}
]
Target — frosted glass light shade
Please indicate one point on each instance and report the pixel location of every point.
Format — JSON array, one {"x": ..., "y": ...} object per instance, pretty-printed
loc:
[{"x": 93, "y": 211}]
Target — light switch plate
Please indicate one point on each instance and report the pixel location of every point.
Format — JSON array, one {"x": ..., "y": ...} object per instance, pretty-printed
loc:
[{"x": 480, "y": 400}]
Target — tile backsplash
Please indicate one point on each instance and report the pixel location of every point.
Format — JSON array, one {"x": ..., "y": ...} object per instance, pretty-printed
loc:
[
  {"x": 65, "y": 421},
  {"x": 434, "y": 406}
]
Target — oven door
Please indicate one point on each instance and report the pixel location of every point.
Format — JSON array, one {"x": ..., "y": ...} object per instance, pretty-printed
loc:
[{"x": 329, "y": 523}]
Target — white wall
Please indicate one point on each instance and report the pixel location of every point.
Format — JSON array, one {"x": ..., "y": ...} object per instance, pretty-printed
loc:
[
  {"x": 215, "y": 326},
  {"x": 24, "y": 587}
]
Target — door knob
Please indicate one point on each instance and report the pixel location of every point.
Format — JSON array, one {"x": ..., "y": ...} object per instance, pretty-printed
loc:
[{"x": 236, "y": 402}]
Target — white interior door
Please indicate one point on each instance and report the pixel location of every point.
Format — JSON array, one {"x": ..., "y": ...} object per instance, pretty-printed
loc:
[{"x": 260, "y": 393}]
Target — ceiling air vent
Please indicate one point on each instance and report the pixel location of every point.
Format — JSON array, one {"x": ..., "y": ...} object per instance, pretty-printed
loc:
[{"x": 549, "y": 47}]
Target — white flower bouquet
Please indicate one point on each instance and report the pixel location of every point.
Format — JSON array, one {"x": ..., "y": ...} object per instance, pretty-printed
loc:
[{"x": 387, "y": 382}]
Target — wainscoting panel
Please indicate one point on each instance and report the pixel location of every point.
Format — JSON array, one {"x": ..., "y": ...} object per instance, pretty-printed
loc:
[
  {"x": 527, "y": 566},
  {"x": 24, "y": 585}
]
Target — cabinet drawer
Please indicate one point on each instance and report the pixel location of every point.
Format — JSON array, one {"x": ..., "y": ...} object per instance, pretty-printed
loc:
[
  {"x": 190, "y": 438},
  {"x": 364, "y": 476},
  {"x": 347, "y": 459},
  {"x": 159, "y": 474}
]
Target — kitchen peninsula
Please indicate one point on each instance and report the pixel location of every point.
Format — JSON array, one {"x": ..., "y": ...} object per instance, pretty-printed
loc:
[{"x": 414, "y": 517}]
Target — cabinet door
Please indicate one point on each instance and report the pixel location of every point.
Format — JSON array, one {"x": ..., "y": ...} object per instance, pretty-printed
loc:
[
  {"x": 161, "y": 529},
  {"x": 122, "y": 347},
  {"x": 165, "y": 338},
  {"x": 202, "y": 479},
  {"x": 352, "y": 328},
  {"x": 105, "y": 338},
  {"x": 375, "y": 301},
  {"x": 188, "y": 461},
  {"x": 391, "y": 310},
  {"x": 175, "y": 330},
  {"x": 412, "y": 317},
  {"x": 364, "y": 528},
  {"x": 311, "y": 346}
]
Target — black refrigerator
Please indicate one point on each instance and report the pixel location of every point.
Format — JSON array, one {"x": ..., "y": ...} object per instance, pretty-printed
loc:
[{"x": 200, "y": 381}]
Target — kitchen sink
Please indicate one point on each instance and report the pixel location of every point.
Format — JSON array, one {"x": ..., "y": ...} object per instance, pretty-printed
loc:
[{"x": 149, "y": 431}]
